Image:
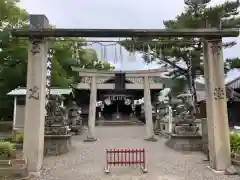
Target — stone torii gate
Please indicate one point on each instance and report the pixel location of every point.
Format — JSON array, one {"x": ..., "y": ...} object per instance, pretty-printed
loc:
[
  {"x": 91, "y": 80},
  {"x": 39, "y": 31}
]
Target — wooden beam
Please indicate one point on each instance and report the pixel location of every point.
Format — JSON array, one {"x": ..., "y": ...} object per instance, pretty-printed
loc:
[{"x": 154, "y": 33}]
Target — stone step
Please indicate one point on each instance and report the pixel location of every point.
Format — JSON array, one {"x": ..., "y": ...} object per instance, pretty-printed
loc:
[
  {"x": 15, "y": 168},
  {"x": 119, "y": 123}
]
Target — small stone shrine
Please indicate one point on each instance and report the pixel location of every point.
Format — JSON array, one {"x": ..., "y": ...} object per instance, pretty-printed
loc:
[
  {"x": 57, "y": 132},
  {"x": 74, "y": 118},
  {"x": 163, "y": 123},
  {"x": 185, "y": 135}
]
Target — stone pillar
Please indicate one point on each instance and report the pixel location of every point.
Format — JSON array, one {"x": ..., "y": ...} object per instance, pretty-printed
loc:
[
  {"x": 14, "y": 112},
  {"x": 217, "y": 118},
  {"x": 92, "y": 111},
  {"x": 170, "y": 119},
  {"x": 35, "y": 98},
  {"x": 148, "y": 111}
]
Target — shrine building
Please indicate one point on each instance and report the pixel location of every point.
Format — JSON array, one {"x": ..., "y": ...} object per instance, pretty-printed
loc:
[
  {"x": 108, "y": 95},
  {"x": 118, "y": 94}
]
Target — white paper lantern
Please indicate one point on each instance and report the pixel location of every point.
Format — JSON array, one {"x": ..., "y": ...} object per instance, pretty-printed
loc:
[
  {"x": 107, "y": 102},
  {"x": 99, "y": 103},
  {"x": 127, "y": 102}
]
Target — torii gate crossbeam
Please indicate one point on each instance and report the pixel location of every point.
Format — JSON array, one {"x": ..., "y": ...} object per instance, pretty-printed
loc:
[{"x": 145, "y": 33}]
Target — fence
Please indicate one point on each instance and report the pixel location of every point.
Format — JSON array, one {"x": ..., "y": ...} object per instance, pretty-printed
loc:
[{"x": 125, "y": 157}]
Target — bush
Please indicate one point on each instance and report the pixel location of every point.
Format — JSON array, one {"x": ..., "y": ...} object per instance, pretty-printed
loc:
[
  {"x": 235, "y": 142},
  {"x": 7, "y": 149},
  {"x": 18, "y": 137},
  {"x": 9, "y": 139}
]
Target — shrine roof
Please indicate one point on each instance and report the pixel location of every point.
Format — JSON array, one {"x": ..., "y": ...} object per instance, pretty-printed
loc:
[
  {"x": 234, "y": 84},
  {"x": 54, "y": 91}
]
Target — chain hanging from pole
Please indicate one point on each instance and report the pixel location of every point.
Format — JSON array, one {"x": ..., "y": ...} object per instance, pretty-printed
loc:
[
  {"x": 132, "y": 55},
  {"x": 115, "y": 54},
  {"x": 121, "y": 54},
  {"x": 105, "y": 53},
  {"x": 129, "y": 52},
  {"x": 155, "y": 51},
  {"x": 75, "y": 52},
  {"x": 149, "y": 55},
  {"x": 161, "y": 54},
  {"x": 102, "y": 52}
]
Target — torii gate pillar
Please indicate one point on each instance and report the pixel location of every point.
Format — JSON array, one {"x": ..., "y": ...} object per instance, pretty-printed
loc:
[
  {"x": 35, "y": 98},
  {"x": 217, "y": 118}
]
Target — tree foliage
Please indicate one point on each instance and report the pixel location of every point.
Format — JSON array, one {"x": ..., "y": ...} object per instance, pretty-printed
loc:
[
  {"x": 224, "y": 15},
  {"x": 13, "y": 56},
  {"x": 172, "y": 51},
  {"x": 233, "y": 63}
]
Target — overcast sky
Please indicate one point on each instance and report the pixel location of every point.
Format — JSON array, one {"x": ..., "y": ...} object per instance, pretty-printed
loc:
[{"x": 140, "y": 14}]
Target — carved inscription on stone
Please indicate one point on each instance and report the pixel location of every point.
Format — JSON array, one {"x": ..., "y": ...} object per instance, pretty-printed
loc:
[
  {"x": 216, "y": 47},
  {"x": 136, "y": 80},
  {"x": 101, "y": 80},
  {"x": 218, "y": 93},
  {"x": 35, "y": 49},
  {"x": 139, "y": 80},
  {"x": 34, "y": 93}
]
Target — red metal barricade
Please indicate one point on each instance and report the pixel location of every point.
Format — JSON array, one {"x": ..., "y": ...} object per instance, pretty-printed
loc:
[{"x": 125, "y": 157}]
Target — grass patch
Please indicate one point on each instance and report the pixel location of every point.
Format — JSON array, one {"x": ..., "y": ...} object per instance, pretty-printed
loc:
[{"x": 235, "y": 142}]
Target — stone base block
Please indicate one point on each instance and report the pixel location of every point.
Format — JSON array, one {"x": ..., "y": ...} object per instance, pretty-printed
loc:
[
  {"x": 19, "y": 146},
  {"x": 34, "y": 174},
  {"x": 90, "y": 139},
  {"x": 185, "y": 142},
  {"x": 205, "y": 148},
  {"x": 57, "y": 144},
  {"x": 77, "y": 129},
  {"x": 185, "y": 129},
  {"x": 236, "y": 164},
  {"x": 151, "y": 139},
  {"x": 164, "y": 127},
  {"x": 215, "y": 171},
  {"x": 15, "y": 168}
]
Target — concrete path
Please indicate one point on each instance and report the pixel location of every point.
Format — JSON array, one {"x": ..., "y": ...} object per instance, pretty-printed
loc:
[{"x": 86, "y": 161}]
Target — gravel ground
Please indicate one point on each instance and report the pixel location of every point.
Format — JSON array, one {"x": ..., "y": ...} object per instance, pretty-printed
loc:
[{"x": 86, "y": 161}]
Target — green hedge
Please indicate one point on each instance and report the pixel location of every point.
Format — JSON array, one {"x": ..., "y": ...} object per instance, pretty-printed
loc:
[
  {"x": 7, "y": 149},
  {"x": 15, "y": 137},
  {"x": 235, "y": 142},
  {"x": 18, "y": 137}
]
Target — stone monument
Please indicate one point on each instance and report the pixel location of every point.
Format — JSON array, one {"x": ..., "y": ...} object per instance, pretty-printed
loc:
[
  {"x": 185, "y": 135},
  {"x": 57, "y": 132},
  {"x": 162, "y": 114},
  {"x": 74, "y": 118}
]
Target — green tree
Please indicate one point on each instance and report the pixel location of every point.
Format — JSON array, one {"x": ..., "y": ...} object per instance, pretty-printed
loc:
[
  {"x": 13, "y": 56},
  {"x": 67, "y": 54},
  {"x": 185, "y": 50},
  {"x": 233, "y": 63}
]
